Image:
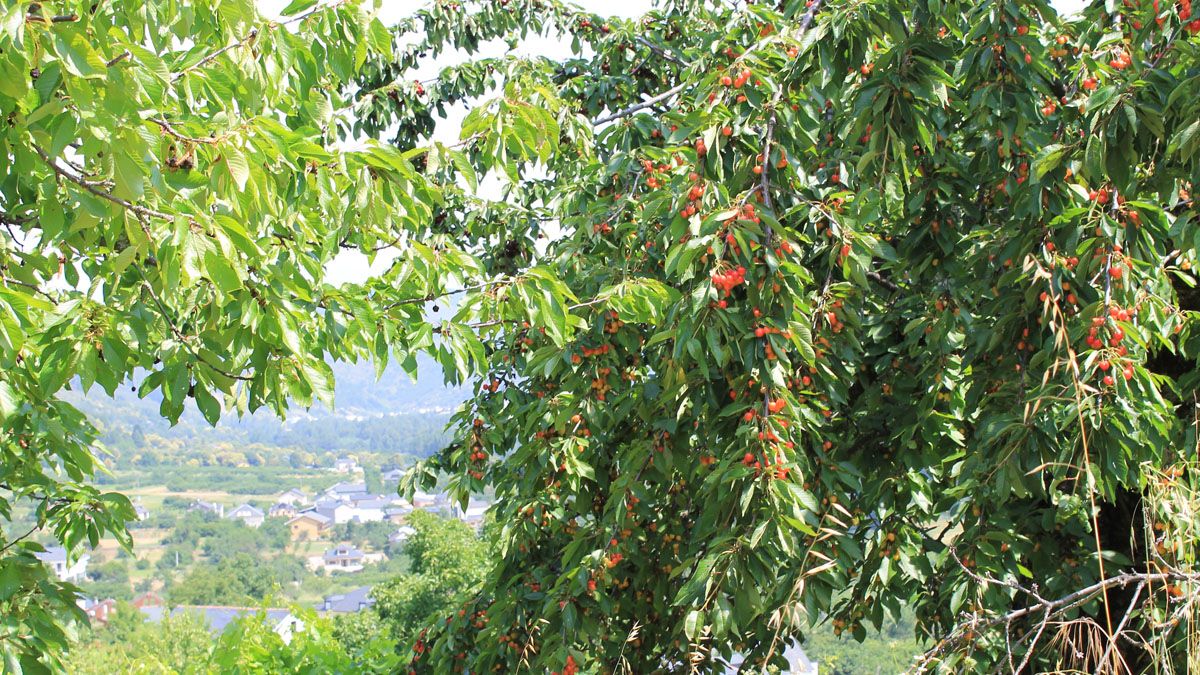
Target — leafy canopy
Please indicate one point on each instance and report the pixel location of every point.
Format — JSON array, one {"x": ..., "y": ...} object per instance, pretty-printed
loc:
[{"x": 782, "y": 314}]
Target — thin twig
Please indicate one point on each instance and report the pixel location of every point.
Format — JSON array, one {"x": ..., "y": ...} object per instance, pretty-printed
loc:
[
  {"x": 169, "y": 129},
  {"x": 213, "y": 56},
  {"x": 118, "y": 58},
  {"x": 1112, "y": 638}
]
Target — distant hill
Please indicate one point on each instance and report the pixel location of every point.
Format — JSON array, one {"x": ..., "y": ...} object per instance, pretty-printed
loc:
[{"x": 392, "y": 413}]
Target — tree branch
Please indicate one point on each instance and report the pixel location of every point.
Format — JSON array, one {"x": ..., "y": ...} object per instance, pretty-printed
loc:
[
  {"x": 169, "y": 129},
  {"x": 248, "y": 38},
  {"x": 183, "y": 339},
  {"x": 641, "y": 106},
  {"x": 60, "y": 18},
  {"x": 660, "y": 51},
  {"x": 18, "y": 540},
  {"x": 213, "y": 56},
  {"x": 977, "y": 624},
  {"x": 108, "y": 196}
]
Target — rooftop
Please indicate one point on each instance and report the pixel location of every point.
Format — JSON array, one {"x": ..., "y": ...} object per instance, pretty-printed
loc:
[
  {"x": 350, "y": 601},
  {"x": 217, "y": 617}
]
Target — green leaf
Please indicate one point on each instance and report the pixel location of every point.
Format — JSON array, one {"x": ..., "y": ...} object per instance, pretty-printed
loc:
[
  {"x": 78, "y": 56},
  {"x": 239, "y": 169},
  {"x": 297, "y": 6},
  {"x": 131, "y": 176},
  {"x": 8, "y": 401},
  {"x": 1048, "y": 159},
  {"x": 221, "y": 272}
]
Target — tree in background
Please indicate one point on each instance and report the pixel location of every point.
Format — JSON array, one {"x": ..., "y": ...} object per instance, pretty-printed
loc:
[
  {"x": 183, "y": 644},
  {"x": 372, "y": 479},
  {"x": 447, "y": 562},
  {"x": 130, "y": 644},
  {"x": 238, "y": 579}
]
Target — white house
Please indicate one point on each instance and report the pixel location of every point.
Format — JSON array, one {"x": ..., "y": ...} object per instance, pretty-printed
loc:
[
  {"x": 346, "y": 490},
  {"x": 251, "y": 516},
  {"x": 401, "y": 535},
  {"x": 294, "y": 497},
  {"x": 369, "y": 510},
  {"x": 344, "y": 558},
  {"x": 346, "y": 465},
  {"x": 202, "y": 506},
  {"x": 64, "y": 568},
  {"x": 337, "y": 511}
]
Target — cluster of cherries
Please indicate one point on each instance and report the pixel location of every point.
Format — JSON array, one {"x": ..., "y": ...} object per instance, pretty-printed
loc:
[
  {"x": 1114, "y": 337},
  {"x": 569, "y": 668},
  {"x": 1120, "y": 60},
  {"x": 1185, "y": 13},
  {"x": 478, "y": 456},
  {"x": 694, "y": 194},
  {"x": 652, "y": 181},
  {"x": 736, "y": 82},
  {"x": 727, "y": 281}
]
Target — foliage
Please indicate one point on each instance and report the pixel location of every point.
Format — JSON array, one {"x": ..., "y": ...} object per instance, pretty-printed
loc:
[
  {"x": 782, "y": 312},
  {"x": 889, "y": 650},
  {"x": 447, "y": 561},
  {"x": 865, "y": 304},
  {"x": 171, "y": 196},
  {"x": 182, "y": 644},
  {"x": 130, "y": 644},
  {"x": 238, "y": 579},
  {"x": 373, "y": 534}
]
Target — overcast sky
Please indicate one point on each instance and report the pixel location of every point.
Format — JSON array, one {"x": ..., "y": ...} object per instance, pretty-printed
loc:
[{"x": 353, "y": 266}]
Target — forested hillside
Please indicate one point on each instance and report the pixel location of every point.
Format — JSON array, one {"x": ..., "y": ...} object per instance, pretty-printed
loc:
[{"x": 391, "y": 413}]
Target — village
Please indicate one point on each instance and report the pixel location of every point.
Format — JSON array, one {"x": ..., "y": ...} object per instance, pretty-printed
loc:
[{"x": 333, "y": 532}]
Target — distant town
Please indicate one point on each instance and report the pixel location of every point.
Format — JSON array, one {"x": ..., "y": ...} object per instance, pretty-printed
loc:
[{"x": 333, "y": 531}]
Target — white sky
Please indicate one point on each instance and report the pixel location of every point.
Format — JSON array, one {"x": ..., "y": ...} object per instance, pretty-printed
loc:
[{"x": 353, "y": 266}]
